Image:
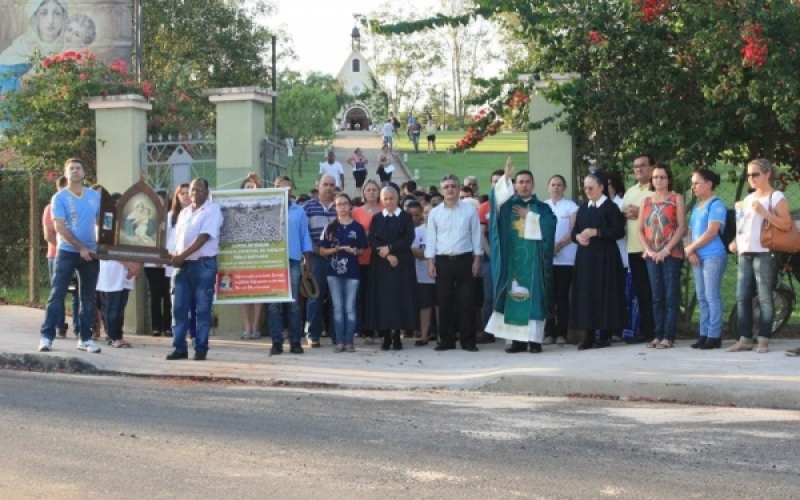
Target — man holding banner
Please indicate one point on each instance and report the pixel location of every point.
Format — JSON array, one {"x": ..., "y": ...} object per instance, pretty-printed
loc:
[{"x": 196, "y": 245}]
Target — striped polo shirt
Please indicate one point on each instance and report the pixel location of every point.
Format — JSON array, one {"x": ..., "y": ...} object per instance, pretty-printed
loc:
[{"x": 318, "y": 217}]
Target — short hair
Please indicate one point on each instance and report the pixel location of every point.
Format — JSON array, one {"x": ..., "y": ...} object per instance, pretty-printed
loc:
[
  {"x": 650, "y": 159},
  {"x": 74, "y": 160},
  {"x": 283, "y": 178},
  {"x": 466, "y": 189},
  {"x": 450, "y": 177},
  {"x": 708, "y": 175},
  {"x": 524, "y": 172},
  {"x": 62, "y": 182},
  {"x": 203, "y": 181},
  {"x": 470, "y": 178},
  {"x": 410, "y": 186},
  {"x": 499, "y": 172},
  {"x": 412, "y": 204}
]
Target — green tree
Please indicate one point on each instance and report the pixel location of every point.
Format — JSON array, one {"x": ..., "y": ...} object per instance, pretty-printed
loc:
[
  {"x": 217, "y": 42},
  {"x": 306, "y": 108},
  {"x": 692, "y": 81}
]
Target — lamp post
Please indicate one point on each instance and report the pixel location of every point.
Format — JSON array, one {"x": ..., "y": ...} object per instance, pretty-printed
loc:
[{"x": 137, "y": 37}]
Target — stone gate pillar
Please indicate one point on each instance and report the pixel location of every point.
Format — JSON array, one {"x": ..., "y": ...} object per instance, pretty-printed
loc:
[
  {"x": 121, "y": 123},
  {"x": 550, "y": 151},
  {"x": 240, "y": 132}
]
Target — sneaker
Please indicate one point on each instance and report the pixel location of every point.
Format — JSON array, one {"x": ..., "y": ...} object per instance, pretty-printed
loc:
[
  {"x": 88, "y": 346},
  {"x": 548, "y": 340},
  {"x": 45, "y": 345},
  {"x": 350, "y": 348},
  {"x": 174, "y": 355},
  {"x": 339, "y": 348},
  {"x": 314, "y": 344},
  {"x": 561, "y": 341},
  {"x": 296, "y": 349},
  {"x": 276, "y": 349}
]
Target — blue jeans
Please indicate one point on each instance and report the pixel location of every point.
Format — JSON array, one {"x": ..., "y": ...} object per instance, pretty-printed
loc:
[
  {"x": 51, "y": 269},
  {"x": 708, "y": 287},
  {"x": 275, "y": 319},
  {"x": 67, "y": 263},
  {"x": 665, "y": 284},
  {"x": 315, "y": 308},
  {"x": 488, "y": 290},
  {"x": 757, "y": 273},
  {"x": 415, "y": 141},
  {"x": 344, "y": 293},
  {"x": 114, "y": 313},
  {"x": 195, "y": 279}
]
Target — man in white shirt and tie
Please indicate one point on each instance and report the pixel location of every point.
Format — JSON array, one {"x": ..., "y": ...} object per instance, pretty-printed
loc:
[{"x": 453, "y": 249}]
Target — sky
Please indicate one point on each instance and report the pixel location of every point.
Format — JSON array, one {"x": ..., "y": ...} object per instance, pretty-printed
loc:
[{"x": 320, "y": 29}]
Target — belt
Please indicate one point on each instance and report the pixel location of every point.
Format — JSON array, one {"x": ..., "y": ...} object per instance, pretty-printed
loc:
[
  {"x": 201, "y": 258},
  {"x": 455, "y": 256}
]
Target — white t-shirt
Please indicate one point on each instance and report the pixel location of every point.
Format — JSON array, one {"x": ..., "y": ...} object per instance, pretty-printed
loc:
[
  {"x": 564, "y": 211},
  {"x": 748, "y": 222},
  {"x": 335, "y": 170},
  {"x": 111, "y": 277},
  {"x": 421, "y": 265},
  {"x": 388, "y": 129}
]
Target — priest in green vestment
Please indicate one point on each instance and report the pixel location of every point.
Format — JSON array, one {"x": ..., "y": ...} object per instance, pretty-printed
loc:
[{"x": 521, "y": 238}]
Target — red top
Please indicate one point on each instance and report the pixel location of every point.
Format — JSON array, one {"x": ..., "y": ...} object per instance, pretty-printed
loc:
[
  {"x": 483, "y": 212},
  {"x": 660, "y": 223},
  {"x": 47, "y": 222},
  {"x": 365, "y": 219}
]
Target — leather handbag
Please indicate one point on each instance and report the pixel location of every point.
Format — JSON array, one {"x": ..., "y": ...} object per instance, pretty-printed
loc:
[{"x": 777, "y": 240}]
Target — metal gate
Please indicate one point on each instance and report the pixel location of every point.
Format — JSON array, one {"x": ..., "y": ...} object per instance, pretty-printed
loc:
[{"x": 167, "y": 164}]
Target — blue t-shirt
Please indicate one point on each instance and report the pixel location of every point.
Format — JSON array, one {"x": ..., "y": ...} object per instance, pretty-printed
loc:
[
  {"x": 714, "y": 210},
  {"x": 80, "y": 217},
  {"x": 344, "y": 264}
]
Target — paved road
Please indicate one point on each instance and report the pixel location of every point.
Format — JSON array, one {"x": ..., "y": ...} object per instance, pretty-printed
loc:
[
  {"x": 79, "y": 437},
  {"x": 346, "y": 143}
]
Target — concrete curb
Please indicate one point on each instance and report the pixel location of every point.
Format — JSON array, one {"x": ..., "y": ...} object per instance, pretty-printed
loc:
[
  {"x": 622, "y": 390},
  {"x": 615, "y": 390}
]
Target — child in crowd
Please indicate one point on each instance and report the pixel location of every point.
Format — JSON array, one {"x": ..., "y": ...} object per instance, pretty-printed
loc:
[{"x": 342, "y": 242}]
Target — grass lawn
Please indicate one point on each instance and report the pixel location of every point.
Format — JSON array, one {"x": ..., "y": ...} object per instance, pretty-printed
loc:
[{"x": 491, "y": 154}]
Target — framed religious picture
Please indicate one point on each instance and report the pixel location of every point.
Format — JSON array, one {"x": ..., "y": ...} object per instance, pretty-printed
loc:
[{"x": 133, "y": 228}]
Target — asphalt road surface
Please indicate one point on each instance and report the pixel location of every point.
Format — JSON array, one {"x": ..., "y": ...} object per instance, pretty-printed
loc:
[{"x": 79, "y": 437}]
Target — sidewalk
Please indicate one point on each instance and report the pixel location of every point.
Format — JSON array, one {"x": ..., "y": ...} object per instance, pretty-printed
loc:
[
  {"x": 681, "y": 374},
  {"x": 370, "y": 143}
]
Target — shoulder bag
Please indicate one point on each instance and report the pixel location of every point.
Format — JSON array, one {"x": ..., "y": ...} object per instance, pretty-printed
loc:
[{"x": 777, "y": 240}]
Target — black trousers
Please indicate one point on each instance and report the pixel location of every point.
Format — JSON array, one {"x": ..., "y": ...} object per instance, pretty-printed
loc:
[
  {"x": 644, "y": 294},
  {"x": 160, "y": 299},
  {"x": 562, "y": 281},
  {"x": 455, "y": 295}
]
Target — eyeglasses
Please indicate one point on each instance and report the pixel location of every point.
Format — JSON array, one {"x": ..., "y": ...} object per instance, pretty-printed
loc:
[
  {"x": 659, "y": 177},
  {"x": 449, "y": 186},
  {"x": 753, "y": 175}
]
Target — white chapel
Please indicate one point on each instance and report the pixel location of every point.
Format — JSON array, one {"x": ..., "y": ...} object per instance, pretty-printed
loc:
[{"x": 357, "y": 77}]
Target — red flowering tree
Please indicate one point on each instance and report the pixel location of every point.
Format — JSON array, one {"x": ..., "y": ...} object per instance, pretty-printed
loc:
[
  {"x": 695, "y": 82},
  {"x": 484, "y": 123},
  {"x": 50, "y": 121}
]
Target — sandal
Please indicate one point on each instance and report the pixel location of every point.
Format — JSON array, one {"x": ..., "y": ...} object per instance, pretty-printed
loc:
[
  {"x": 246, "y": 336},
  {"x": 763, "y": 347},
  {"x": 420, "y": 343},
  {"x": 664, "y": 344},
  {"x": 120, "y": 344},
  {"x": 654, "y": 343},
  {"x": 741, "y": 347}
]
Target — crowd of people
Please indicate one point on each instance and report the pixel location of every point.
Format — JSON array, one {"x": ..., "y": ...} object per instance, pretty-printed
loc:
[{"x": 455, "y": 267}]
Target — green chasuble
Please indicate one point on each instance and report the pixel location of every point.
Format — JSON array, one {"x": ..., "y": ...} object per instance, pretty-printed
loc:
[{"x": 522, "y": 268}]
